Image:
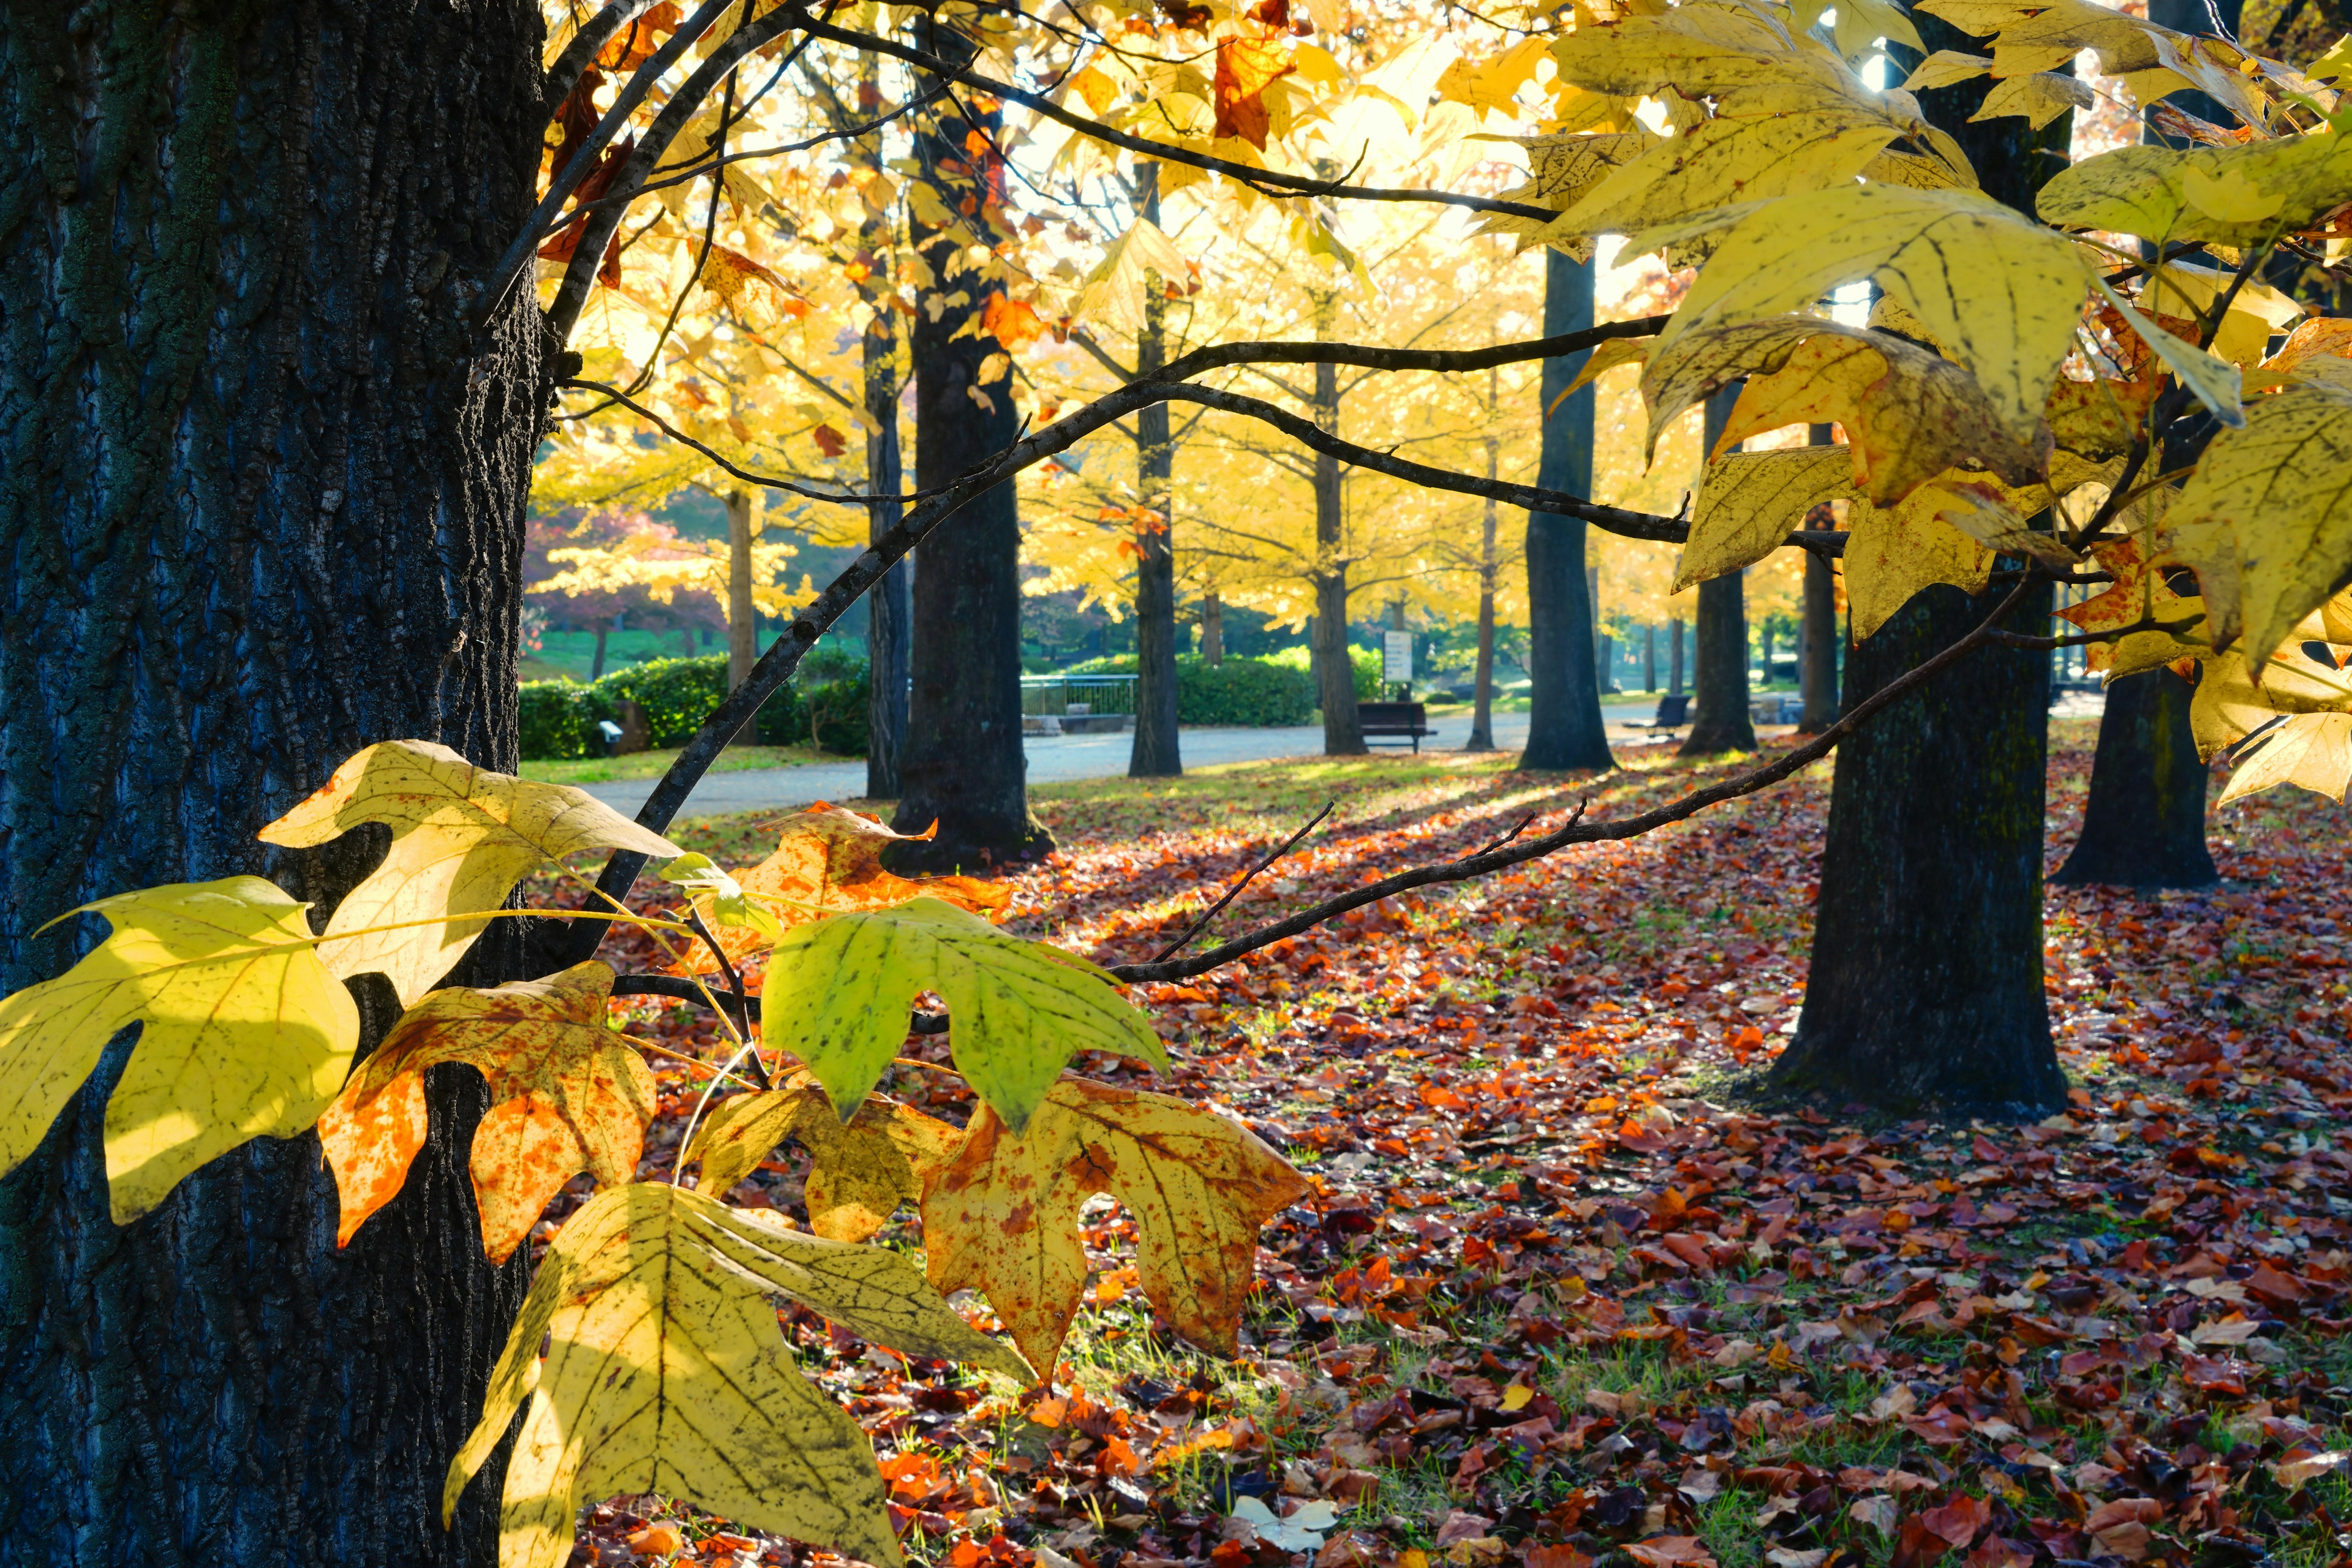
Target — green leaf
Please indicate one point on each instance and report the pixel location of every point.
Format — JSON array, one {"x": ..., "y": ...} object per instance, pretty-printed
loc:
[
  {"x": 243, "y": 1033},
  {"x": 665, "y": 1372},
  {"x": 838, "y": 991},
  {"x": 2228, "y": 196}
]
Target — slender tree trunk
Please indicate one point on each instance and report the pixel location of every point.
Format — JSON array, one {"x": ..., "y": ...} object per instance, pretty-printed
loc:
[
  {"x": 1719, "y": 722},
  {"x": 1213, "y": 630},
  {"x": 1155, "y": 754},
  {"x": 264, "y": 506},
  {"x": 889, "y": 627},
  {"x": 2144, "y": 822},
  {"x": 1649, "y": 658},
  {"x": 1334, "y": 673},
  {"x": 742, "y": 614},
  {"x": 1565, "y": 729},
  {"x": 1817, "y": 648},
  {"x": 1482, "y": 717},
  {"x": 596, "y": 668},
  {"x": 1926, "y": 983},
  {"x": 962, "y": 766},
  {"x": 1675, "y": 676}
]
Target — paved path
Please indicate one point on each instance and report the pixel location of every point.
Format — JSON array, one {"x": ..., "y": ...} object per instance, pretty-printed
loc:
[{"x": 1058, "y": 758}]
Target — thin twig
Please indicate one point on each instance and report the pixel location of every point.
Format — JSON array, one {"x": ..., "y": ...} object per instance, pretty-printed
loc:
[
  {"x": 1525, "y": 823},
  {"x": 735, "y": 996},
  {"x": 1235, "y": 890}
]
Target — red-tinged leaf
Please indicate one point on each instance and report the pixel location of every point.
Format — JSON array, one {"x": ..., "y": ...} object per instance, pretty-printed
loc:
[
  {"x": 830, "y": 441},
  {"x": 1959, "y": 1521},
  {"x": 1245, "y": 67}
]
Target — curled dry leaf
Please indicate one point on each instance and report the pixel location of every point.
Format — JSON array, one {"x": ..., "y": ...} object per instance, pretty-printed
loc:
[
  {"x": 243, "y": 1032},
  {"x": 1002, "y": 1216},
  {"x": 567, "y": 1095},
  {"x": 828, "y": 860},
  {"x": 665, "y": 1372},
  {"x": 859, "y": 1172},
  {"x": 838, "y": 991},
  {"x": 462, "y": 837}
]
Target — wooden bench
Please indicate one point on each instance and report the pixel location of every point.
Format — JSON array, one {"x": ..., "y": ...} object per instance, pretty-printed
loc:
[
  {"x": 1405, "y": 721},
  {"x": 1673, "y": 712}
]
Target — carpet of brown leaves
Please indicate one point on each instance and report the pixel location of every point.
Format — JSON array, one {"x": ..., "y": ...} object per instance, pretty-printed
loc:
[{"x": 1569, "y": 1290}]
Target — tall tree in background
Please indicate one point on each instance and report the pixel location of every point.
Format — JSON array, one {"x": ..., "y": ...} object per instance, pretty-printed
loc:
[
  {"x": 1334, "y": 672},
  {"x": 1155, "y": 753},
  {"x": 1926, "y": 980},
  {"x": 963, "y": 767},
  {"x": 1719, "y": 718},
  {"x": 266, "y": 504},
  {"x": 1817, "y": 626},
  {"x": 889, "y": 628},
  {"x": 1565, "y": 729}
]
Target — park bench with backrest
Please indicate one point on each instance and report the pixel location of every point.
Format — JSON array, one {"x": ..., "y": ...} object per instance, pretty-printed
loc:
[
  {"x": 1673, "y": 712},
  {"x": 1402, "y": 721}
]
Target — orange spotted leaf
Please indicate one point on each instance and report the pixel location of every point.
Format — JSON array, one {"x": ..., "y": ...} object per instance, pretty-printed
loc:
[{"x": 568, "y": 1094}]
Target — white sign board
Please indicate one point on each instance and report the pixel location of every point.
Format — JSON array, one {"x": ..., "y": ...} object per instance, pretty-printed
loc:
[{"x": 1396, "y": 657}]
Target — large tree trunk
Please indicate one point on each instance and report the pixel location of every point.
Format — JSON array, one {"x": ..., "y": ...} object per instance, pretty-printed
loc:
[
  {"x": 1565, "y": 729},
  {"x": 962, "y": 766},
  {"x": 1335, "y": 675},
  {"x": 1926, "y": 985},
  {"x": 264, "y": 506},
  {"x": 1719, "y": 719},
  {"x": 1155, "y": 752},
  {"x": 2144, "y": 822}
]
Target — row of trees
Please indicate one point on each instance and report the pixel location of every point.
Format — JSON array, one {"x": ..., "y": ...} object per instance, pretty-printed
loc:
[{"x": 296, "y": 296}]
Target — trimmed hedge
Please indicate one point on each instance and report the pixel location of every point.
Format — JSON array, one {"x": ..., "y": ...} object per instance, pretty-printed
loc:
[
  {"x": 1241, "y": 691},
  {"x": 560, "y": 717}
]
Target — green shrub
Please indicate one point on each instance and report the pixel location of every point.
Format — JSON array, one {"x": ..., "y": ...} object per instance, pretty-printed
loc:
[
  {"x": 1259, "y": 692},
  {"x": 1365, "y": 663},
  {"x": 839, "y": 714},
  {"x": 559, "y": 718}
]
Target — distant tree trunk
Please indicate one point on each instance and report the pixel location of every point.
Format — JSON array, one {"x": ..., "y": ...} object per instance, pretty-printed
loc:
[
  {"x": 1720, "y": 721},
  {"x": 1482, "y": 717},
  {"x": 1650, "y": 658},
  {"x": 264, "y": 506},
  {"x": 962, "y": 766},
  {"x": 1213, "y": 630},
  {"x": 2144, "y": 822},
  {"x": 1926, "y": 989},
  {"x": 1817, "y": 647},
  {"x": 1343, "y": 731},
  {"x": 597, "y": 667},
  {"x": 1155, "y": 753},
  {"x": 888, "y": 615},
  {"x": 1674, "y": 678},
  {"x": 742, "y": 614},
  {"x": 1565, "y": 729}
]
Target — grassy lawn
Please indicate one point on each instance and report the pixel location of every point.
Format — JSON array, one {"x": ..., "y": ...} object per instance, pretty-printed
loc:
[{"x": 653, "y": 765}]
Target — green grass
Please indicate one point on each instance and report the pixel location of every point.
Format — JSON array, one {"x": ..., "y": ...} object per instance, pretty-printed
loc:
[{"x": 653, "y": 765}]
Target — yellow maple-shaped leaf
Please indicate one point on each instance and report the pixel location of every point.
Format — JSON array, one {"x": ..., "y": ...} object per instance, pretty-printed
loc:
[
  {"x": 2098, "y": 420},
  {"x": 1946, "y": 67},
  {"x": 1561, "y": 168},
  {"x": 2256, "y": 310},
  {"x": 462, "y": 837},
  {"x": 243, "y": 1033},
  {"x": 1909, "y": 414},
  {"x": 2264, "y": 188},
  {"x": 1894, "y": 553},
  {"x": 837, "y": 995},
  {"x": 2039, "y": 97},
  {"x": 1730, "y": 158},
  {"x": 1747, "y": 503},
  {"x": 2139, "y": 593},
  {"x": 859, "y": 1172},
  {"x": 567, "y": 1095},
  {"x": 2229, "y": 706},
  {"x": 1002, "y": 1216},
  {"x": 1999, "y": 292},
  {"x": 2311, "y": 751},
  {"x": 665, "y": 1372},
  {"x": 828, "y": 860},
  {"x": 2266, "y": 521},
  {"x": 1601, "y": 361},
  {"x": 2322, "y": 336}
]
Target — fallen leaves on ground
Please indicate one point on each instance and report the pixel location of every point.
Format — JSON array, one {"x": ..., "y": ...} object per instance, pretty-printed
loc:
[{"x": 1565, "y": 1294}]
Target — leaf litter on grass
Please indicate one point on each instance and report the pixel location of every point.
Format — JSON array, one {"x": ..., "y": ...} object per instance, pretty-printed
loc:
[{"x": 1566, "y": 1290}]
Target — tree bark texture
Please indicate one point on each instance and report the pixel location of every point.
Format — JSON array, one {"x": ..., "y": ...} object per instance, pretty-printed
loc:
[
  {"x": 1155, "y": 753},
  {"x": 743, "y": 613},
  {"x": 1213, "y": 629},
  {"x": 2144, "y": 822},
  {"x": 1926, "y": 986},
  {"x": 1719, "y": 719},
  {"x": 1334, "y": 673},
  {"x": 1817, "y": 627},
  {"x": 963, "y": 766},
  {"x": 1926, "y": 983},
  {"x": 263, "y": 505},
  {"x": 1565, "y": 729}
]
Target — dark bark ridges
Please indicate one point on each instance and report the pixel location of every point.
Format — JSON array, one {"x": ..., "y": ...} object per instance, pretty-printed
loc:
[
  {"x": 263, "y": 505},
  {"x": 2144, "y": 819}
]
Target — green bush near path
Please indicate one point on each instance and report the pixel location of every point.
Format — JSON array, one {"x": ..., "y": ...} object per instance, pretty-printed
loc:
[
  {"x": 559, "y": 718},
  {"x": 1249, "y": 692}
]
